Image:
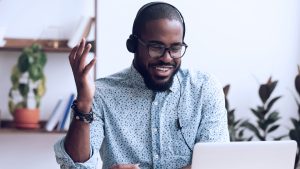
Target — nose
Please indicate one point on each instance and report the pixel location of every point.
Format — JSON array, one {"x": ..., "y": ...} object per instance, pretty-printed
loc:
[{"x": 166, "y": 57}]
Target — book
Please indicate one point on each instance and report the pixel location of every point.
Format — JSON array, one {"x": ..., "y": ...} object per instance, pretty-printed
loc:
[
  {"x": 54, "y": 117},
  {"x": 66, "y": 112},
  {"x": 68, "y": 121},
  {"x": 82, "y": 31}
]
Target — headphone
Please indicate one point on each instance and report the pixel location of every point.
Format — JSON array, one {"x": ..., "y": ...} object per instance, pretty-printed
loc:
[
  {"x": 132, "y": 41},
  {"x": 179, "y": 126}
]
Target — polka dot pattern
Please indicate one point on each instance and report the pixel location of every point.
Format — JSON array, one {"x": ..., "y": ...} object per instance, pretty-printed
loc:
[{"x": 134, "y": 125}]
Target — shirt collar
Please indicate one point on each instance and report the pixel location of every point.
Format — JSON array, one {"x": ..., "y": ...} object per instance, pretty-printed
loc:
[{"x": 137, "y": 79}]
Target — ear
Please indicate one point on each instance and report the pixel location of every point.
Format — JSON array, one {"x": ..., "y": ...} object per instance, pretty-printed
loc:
[{"x": 131, "y": 43}]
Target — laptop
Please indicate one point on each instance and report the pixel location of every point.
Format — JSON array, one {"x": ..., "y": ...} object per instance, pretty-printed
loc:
[{"x": 245, "y": 155}]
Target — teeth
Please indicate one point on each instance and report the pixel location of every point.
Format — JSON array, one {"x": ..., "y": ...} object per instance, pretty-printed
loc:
[{"x": 162, "y": 68}]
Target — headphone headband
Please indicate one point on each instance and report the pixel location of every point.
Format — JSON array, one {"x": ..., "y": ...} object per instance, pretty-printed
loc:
[
  {"x": 131, "y": 42},
  {"x": 150, "y": 4}
]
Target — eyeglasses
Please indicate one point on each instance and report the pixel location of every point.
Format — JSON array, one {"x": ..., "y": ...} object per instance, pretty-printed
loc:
[{"x": 157, "y": 50}]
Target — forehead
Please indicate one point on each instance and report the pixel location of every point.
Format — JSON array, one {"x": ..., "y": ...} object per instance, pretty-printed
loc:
[{"x": 163, "y": 30}]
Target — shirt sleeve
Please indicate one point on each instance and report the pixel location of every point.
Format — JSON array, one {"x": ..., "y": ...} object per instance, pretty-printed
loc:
[
  {"x": 65, "y": 161},
  {"x": 213, "y": 126},
  {"x": 96, "y": 139}
]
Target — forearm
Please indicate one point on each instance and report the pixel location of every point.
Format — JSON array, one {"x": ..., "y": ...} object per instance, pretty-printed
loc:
[{"x": 77, "y": 141}]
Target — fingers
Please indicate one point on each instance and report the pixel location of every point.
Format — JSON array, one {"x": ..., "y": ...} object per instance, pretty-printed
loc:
[
  {"x": 72, "y": 55},
  {"x": 83, "y": 56},
  {"x": 89, "y": 66},
  {"x": 79, "y": 51},
  {"x": 78, "y": 55},
  {"x": 187, "y": 167},
  {"x": 125, "y": 166}
]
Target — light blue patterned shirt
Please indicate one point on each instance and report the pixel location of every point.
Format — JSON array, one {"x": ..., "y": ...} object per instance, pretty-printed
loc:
[{"x": 134, "y": 125}]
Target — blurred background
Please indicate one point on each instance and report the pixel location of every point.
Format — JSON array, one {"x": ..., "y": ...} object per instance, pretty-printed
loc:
[{"x": 241, "y": 42}]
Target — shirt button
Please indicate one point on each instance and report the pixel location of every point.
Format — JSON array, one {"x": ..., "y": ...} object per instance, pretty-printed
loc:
[
  {"x": 155, "y": 103},
  {"x": 154, "y": 130},
  {"x": 156, "y": 156}
]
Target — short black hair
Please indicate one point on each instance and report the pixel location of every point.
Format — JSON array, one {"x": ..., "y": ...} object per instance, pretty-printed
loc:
[{"x": 154, "y": 12}]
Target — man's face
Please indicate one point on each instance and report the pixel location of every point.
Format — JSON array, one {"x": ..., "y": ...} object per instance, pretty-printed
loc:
[{"x": 158, "y": 73}]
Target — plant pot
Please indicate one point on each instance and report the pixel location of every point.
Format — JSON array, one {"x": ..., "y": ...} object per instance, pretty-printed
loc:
[{"x": 27, "y": 118}]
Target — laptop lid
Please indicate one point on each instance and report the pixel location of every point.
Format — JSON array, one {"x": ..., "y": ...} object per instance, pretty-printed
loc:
[{"x": 245, "y": 155}]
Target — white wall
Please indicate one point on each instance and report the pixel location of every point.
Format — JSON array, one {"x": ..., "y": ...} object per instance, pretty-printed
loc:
[
  {"x": 34, "y": 152},
  {"x": 241, "y": 42},
  {"x": 37, "y": 19},
  {"x": 41, "y": 19}
]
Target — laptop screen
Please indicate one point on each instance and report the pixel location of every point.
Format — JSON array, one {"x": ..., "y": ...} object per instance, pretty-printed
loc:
[{"x": 245, "y": 155}]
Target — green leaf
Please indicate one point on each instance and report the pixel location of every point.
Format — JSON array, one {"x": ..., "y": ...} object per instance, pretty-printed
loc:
[
  {"x": 299, "y": 111},
  {"x": 262, "y": 124},
  {"x": 20, "y": 105},
  {"x": 257, "y": 113},
  {"x": 241, "y": 133},
  {"x": 264, "y": 93},
  {"x": 272, "y": 86},
  {"x": 236, "y": 122},
  {"x": 23, "y": 63},
  {"x": 295, "y": 122},
  {"x": 273, "y": 117},
  {"x": 297, "y": 83},
  {"x": 35, "y": 72},
  {"x": 295, "y": 135},
  {"x": 252, "y": 128},
  {"x": 272, "y": 102},
  {"x": 38, "y": 101},
  {"x": 279, "y": 138},
  {"x": 15, "y": 77},
  {"x": 226, "y": 90},
  {"x": 11, "y": 106},
  {"x": 24, "y": 89},
  {"x": 42, "y": 59},
  {"x": 273, "y": 128}
]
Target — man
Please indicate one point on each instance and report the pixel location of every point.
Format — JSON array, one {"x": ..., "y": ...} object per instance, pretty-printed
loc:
[{"x": 149, "y": 115}]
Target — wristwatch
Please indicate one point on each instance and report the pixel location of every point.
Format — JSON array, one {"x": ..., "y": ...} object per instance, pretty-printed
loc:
[{"x": 84, "y": 117}]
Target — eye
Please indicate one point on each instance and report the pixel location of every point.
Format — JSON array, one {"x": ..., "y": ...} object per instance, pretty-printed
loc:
[
  {"x": 156, "y": 47},
  {"x": 176, "y": 48}
]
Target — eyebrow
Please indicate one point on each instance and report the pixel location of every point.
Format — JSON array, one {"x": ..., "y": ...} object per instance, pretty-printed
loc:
[{"x": 161, "y": 43}]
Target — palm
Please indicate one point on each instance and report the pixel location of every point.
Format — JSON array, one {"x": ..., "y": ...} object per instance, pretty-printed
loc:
[{"x": 84, "y": 84}]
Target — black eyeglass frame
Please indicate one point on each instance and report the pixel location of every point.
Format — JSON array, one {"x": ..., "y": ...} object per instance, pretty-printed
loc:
[{"x": 148, "y": 44}]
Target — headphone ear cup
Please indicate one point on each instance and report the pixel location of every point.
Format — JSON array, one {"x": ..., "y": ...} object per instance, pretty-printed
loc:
[{"x": 131, "y": 44}]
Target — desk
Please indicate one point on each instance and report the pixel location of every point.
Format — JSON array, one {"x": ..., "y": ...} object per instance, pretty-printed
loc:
[{"x": 27, "y": 149}]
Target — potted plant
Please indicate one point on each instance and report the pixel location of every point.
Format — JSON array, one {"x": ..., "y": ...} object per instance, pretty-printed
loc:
[
  {"x": 28, "y": 87},
  {"x": 294, "y": 132},
  {"x": 266, "y": 118},
  {"x": 236, "y": 131}
]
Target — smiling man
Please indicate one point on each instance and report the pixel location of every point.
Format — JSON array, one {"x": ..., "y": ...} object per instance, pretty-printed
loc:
[
  {"x": 156, "y": 62},
  {"x": 149, "y": 115}
]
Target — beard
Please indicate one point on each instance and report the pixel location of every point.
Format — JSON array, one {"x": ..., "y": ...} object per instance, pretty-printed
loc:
[{"x": 149, "y": 80}]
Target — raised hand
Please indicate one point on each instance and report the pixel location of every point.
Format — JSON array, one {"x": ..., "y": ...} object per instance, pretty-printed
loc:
[
  {"x": 125, "y": 166},
  {"x": 84, "y": 83}
]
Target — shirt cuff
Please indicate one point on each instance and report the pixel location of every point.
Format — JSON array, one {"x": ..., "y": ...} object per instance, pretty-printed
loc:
[{"x": 65, "y": 161}]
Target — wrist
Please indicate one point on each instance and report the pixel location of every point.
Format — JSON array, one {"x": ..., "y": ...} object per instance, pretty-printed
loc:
[
  {"x": 86, "y": 117},
  {"x": 84, "y": 106}
]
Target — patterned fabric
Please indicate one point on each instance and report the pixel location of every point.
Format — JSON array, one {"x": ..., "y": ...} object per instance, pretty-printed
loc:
[{"x": 134, "y": 125}]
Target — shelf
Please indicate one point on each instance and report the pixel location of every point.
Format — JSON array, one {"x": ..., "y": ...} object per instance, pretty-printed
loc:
[
  {"x": 48, "y": 45},
  {"x": 31, "y": 131},
  {"x": 8, "y": 126}
]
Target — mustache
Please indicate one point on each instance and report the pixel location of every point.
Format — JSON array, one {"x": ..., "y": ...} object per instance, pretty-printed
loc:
[{"x": 173, "y": 64}]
